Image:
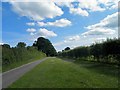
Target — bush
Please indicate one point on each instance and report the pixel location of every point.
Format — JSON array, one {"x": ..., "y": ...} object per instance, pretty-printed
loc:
[{"x": 107, "y": 52}]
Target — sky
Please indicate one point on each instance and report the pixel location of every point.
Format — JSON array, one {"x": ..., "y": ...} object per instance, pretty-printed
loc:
[{"x": 66, "y": 24}]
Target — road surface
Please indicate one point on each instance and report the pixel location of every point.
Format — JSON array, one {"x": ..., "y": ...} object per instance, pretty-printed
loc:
[{"x": 10, "y": 76}]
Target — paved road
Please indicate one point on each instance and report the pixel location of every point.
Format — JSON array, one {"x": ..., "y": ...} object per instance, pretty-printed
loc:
[{"x": 10, "y": 76}]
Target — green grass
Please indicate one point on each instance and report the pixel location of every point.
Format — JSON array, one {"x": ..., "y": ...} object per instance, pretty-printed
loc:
[
  {"x": 57, "y": 73},
  {"x": 17, "y": 64}
]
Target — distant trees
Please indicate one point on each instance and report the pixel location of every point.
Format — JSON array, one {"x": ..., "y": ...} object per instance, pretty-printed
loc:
[
  {"x": 45, "y": 46},
  {"x": 67, "y": 48},
  {"x": 107, "y": 51},
  {"x": 6, "y": 46}
]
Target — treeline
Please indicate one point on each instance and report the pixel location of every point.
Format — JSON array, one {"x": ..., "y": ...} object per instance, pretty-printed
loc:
[
  {"x": 19, "y": 53},
  {"x": 107, "y": 52},
  {"x": 22, "y": 53}
]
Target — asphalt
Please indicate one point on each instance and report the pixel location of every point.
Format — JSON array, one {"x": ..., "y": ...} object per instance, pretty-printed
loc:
[{"x": 11, "y": 76}]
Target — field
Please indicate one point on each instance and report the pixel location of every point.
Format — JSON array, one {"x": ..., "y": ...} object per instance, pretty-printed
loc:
[{"x": 58, "y": 73}]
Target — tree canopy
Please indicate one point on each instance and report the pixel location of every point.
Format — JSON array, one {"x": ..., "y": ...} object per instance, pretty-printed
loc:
[
  {"x": 67, "y": 48},
  {"x": 45, "y": 46},
  {"x": 21, "y": 45}
]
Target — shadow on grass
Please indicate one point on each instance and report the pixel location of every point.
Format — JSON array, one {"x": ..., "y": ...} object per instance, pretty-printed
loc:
[{"x": 106, "y": 69}]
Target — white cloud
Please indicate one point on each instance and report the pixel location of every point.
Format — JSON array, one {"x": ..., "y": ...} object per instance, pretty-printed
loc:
[
  {"x": 84, "y": 7},
  {"x": 72, "y": 10},
  {"x": 66, "y": 3},
  {"x": 68, "y": 40},
  {"x": 107, "y": 26},
  {"x": 74, "y": 38},
  {"x": 79, "y": 11},
  {"x": 31, "y": 30},
  {"x": 31, "y": 24},
  {"x": 41, "y": 24},
  {"x": 42, "y": 32},
  {"x": 46, "y": 33},
  {"x": 58, "y": 23},
  {"x": 91, "y": 5},
  {"x": 100, "y": 32},
  {"x": 58, "y": 44},
  {"x": 109, "y": 4},
  {"x": 36, "y": 10}
]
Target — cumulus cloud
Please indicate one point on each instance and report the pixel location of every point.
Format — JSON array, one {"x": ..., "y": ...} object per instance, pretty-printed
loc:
[
  {"x": 98, "y": 5},
  {"x": 107, "y": 26},
  {"x": 58, "y": 23},
  {"x": 99, "y": 32},
  {"x": 42, "y": 32},
  {"x": 92, "y": 5},
  {"x": 46, "y": 33},
  {"x": 84, "y": 7},
  {"x": 109, "y": 4},
  {"x": 74, "y": 38},
  {"x": 31, "y": 24},
  {"x": 79, "y": 11},
  {"x": 31, "y": 31},
  {"x": 36, "y": 10},
  {"x": 68, "y": 40},
  {"x": 72, "y": 10},
  {"x": 66, "y": 3}
]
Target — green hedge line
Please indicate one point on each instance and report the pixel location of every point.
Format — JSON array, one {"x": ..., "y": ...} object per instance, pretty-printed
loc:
[
  {"x": 107, "y": 51},
  {"x": 19, "y": 54}
]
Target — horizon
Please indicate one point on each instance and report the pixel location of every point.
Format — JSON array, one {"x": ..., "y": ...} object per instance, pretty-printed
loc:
[{"x": 90, "y": 23}]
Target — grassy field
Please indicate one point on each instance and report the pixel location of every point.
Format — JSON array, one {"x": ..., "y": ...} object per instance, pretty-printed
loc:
[
  {"x": 57, "y": 73},
  {"x": 17, "y": 64}
]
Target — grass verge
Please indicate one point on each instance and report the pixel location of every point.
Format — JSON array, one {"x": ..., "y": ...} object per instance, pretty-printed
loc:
[
  {"x": 17, "y": 64},
  {"x": 57, "y": 73}
]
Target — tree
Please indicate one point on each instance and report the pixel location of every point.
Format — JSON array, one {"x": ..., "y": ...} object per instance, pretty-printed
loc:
[
  {"x": 96, "y": 50},
  {"x": 21, "y": 45},
  {"x": 67, "y": 48},
  {"x": 7, "y": 54},
  {"x": 45, "y": 46},
  {"x": 6, "y": 46}
]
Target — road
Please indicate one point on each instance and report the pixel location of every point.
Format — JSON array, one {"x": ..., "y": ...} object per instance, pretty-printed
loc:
[{"x": 12, "y": 75}]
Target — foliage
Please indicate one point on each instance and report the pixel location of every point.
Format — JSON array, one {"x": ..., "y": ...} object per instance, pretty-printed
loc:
[
  {"x": 45, "y": 46},
  {"x": 107, "y": 51},
  {"x": 19, "y": 54},
  {"x": 21, "y": 45},
  {"x": 67, "y": 48}
]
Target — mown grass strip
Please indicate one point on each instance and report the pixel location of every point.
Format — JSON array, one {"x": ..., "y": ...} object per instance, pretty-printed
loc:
[{"x": 57, "y": 73}]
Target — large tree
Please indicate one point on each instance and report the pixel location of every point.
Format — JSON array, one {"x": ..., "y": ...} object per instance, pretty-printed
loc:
[
  {"x": 67, "y": 48},
  {"x": 21, "y": 45},
  {"x": 45, "y": 46}
]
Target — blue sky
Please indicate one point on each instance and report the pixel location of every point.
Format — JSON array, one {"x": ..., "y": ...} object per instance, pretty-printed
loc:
[{"x": 65, "y": 24}]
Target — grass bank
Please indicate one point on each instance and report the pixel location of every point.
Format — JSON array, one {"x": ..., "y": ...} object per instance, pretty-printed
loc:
[
  {"x": 58, "y": 73},
  {"x": 36, "y": 56}
]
